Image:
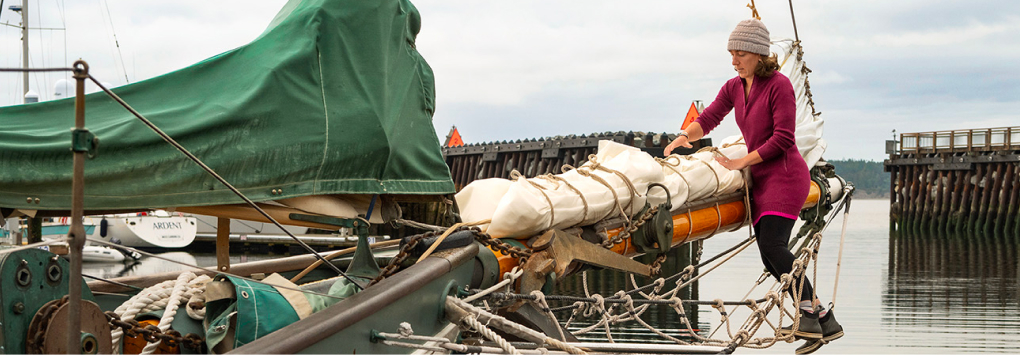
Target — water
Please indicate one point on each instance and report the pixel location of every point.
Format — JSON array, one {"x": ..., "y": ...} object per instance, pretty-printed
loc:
[{"x": 895, "y": 295}]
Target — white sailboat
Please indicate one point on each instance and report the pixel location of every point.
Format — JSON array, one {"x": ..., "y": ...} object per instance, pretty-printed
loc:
[{"x": 158, "y": 229}]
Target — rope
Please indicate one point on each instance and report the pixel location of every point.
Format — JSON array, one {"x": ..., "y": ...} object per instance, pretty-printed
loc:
[
  {"x": 584, "y": 202},
  {"x": 491, "y": 335},
  {"x": 594, "y": 161},
  {"x": 338, "y": 254},
  {"x": 512, "y": 327},
  {"x": 588, "y": 173},
  {"x": 842, "y": 238},
  {"x": 508, "y": 278},
  {"x": 173, "y": 303},
  {"x": 447, "y": 233},
  {"x": 516, "y": 175},
  {"x": 164, "y": 295}
]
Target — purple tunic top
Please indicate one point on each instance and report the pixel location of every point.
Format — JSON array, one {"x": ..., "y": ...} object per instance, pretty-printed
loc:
[{"x": 767, "y": 121}]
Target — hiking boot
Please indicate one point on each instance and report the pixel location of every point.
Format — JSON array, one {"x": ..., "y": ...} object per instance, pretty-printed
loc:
[
  {"x": 809, "y": 327},
  {"x": 831, "y": 330},
  {"x": 809, "y": 346}
]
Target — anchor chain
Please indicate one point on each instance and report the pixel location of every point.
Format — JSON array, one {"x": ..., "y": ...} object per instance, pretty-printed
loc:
[
  {"x": 152, "y": 333},
  {"x": 505, "y": 248},
  {"x": 402, "y": 255},
  {"x": 633, "y": 227},
  {"x": 35, "y": 343}
]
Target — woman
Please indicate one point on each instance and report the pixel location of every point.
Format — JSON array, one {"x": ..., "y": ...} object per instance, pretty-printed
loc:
[{"x": 766, "y": 114}]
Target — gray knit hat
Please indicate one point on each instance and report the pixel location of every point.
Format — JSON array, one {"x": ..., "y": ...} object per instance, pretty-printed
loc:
[{"x": 750, "y": 36}]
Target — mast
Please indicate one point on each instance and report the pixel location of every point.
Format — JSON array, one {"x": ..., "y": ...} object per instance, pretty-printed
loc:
[{"x": 24, "y": 45}]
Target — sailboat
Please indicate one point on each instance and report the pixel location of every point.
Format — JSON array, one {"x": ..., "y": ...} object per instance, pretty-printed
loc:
[{"x": 322, "y": 128}]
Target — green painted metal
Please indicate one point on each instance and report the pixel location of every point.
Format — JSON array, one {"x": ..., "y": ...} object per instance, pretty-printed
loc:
[
  {"x": 29, "y": 279},
  {"x": 82, "y": 140},
  {"x": 332, "y": 98},
  {"x": 656, "y": 235},
  {"x": 363, "y": 264},
  {"x": 417, "y": 308}
]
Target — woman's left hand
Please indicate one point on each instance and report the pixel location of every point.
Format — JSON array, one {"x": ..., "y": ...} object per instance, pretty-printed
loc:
[{"x": 732, "y": 164}]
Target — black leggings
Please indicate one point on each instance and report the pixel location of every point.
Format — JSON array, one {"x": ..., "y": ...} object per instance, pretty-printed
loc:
[{"x": 773, "y": 236}]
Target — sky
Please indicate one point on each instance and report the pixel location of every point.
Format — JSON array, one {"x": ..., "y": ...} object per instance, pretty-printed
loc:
[{"x": 508, "y": 70}]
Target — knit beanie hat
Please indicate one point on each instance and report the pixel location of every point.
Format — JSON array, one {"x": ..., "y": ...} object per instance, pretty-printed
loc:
[{"x": 750, "y": 36}]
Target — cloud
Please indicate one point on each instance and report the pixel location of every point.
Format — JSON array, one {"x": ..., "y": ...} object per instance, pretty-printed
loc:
[{"x": 530, "y": 68}]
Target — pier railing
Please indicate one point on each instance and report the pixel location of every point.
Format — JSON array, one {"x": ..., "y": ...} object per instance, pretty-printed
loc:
[{"x": 985, "y": 139}]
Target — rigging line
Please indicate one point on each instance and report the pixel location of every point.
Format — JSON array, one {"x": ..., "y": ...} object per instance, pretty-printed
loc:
[
  {"x": 121, "y": 284},
  {"x": 116, "y": 42},
  {"x": 794, "y": 18},
  {"x": 42, "y": 52},
  {"x": 223, "y": 181}
]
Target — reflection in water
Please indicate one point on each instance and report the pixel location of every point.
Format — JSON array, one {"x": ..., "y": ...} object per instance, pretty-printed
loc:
[
  {"x": 608, "y": 282},
  {"x": 962, "y": 292}
]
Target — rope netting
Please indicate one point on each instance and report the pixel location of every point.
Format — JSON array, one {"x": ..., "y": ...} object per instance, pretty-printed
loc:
[{"x": 761, "y": 328}]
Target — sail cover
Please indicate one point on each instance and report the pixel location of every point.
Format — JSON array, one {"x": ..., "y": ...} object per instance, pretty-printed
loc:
[{"x": 333, "y": 98}]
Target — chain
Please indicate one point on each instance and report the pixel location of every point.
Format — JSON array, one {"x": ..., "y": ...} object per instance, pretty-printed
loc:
[
  {"x": 656, "y": 265},
  {"x": 626, "y": 232},
  {"x": 152, "y": 333},
  {"x": 503, "y": 247},
  {"x": 35, "y": 343},
  {"x": 402, "y": 255}
]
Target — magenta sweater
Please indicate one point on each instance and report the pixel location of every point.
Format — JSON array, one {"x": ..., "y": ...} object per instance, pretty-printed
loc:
[{"x": 767, "y": 120}]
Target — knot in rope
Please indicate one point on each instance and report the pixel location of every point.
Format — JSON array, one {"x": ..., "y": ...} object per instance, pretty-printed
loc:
[
  {"x": 659, "y": 283},
  {"x": 597, "y": 306}
]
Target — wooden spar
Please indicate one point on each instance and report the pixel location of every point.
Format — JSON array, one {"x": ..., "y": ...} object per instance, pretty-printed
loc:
[
  {"x": 687, "y": 227},
  {"x": 280, "y": 213}
]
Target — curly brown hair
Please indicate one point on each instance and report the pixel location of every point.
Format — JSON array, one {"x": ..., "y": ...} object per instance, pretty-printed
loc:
[{"x": 767, "y": 66}]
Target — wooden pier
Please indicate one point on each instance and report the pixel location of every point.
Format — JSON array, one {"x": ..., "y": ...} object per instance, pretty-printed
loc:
[{"x": 950, "y": 183}]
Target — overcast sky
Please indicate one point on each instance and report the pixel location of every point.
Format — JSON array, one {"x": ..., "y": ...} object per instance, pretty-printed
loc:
[{"x": 521, "y": 69}]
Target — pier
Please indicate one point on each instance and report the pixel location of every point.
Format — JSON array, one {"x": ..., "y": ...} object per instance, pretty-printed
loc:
[{"x": 960, "y": 182}]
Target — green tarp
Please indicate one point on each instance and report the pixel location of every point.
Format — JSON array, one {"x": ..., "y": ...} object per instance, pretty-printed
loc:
[{"x": 333, "y": 98}]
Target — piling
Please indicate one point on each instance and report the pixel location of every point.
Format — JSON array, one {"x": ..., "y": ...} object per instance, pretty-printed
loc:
[{"x": 956, "y": 183}]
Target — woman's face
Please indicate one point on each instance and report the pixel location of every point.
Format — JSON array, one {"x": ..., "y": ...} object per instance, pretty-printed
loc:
[{"x": 744, "y": 63}]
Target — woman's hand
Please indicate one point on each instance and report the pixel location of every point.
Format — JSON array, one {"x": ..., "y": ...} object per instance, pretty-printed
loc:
[
  {"x": 680, "y": 141},
  {"x": 733, "y": 164}
]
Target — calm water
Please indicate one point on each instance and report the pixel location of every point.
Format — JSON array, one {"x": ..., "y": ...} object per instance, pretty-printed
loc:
[{"x": 895, "y": 295}]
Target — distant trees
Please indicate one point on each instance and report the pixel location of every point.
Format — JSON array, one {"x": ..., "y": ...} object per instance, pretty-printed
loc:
[{"x": 868, "y": 177}]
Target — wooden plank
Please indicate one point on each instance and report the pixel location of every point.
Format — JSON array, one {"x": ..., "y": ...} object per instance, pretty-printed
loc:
[{"x": 223, "y": 244}]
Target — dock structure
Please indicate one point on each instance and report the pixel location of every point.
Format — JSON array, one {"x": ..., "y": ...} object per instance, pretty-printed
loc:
[
  {"x": 960, "y": 182},
  {"x": 533, "y": 157}
]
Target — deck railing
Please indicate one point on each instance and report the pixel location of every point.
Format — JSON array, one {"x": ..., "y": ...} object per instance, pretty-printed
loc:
[{"x": 984, "y": 139}]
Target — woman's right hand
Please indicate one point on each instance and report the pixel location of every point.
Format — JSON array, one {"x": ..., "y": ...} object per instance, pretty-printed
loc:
[{"x": 680, "y": 141}]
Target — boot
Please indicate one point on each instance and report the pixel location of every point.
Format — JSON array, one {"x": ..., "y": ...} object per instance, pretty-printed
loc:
[
  {"x": 831, "y": 330},
  {"x": 809, "y": 327}
]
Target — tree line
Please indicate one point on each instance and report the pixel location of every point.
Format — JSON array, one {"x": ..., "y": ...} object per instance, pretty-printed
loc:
[{"x": 867, "y": 176}]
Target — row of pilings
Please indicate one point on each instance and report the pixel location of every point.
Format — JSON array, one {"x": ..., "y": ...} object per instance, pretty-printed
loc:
[
  {"x": 959, "y": 183},
  {"x": 980, "y": 201}
]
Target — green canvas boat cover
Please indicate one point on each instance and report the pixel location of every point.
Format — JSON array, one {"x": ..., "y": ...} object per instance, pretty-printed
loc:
[{"x": 333, "y": 98}]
